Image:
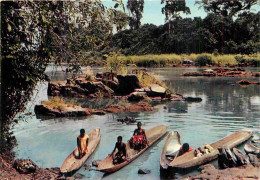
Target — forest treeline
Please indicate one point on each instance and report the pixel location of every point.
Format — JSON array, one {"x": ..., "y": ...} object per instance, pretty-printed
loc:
[{"x": 213, "y": 34}]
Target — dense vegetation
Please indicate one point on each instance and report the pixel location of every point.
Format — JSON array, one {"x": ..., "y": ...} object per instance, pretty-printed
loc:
[{"x": 214, "y": 33}]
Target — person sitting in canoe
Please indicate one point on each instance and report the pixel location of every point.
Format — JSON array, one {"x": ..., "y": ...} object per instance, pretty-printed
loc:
[
  {"x": 82, "y": 143},
  {"x": 185, "y": 148},
  {"x": 121, "y": 155},
  {"x": 139, "y": 140}
]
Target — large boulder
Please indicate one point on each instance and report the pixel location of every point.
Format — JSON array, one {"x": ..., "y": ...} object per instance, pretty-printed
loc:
[
  {"x": 127, "y": 84},
  {"x": 25, "y": 166},
  {"x": 53, "y": 89},
  {"x": 136, "y": 96},
  {"x": 157, "y": 90}
]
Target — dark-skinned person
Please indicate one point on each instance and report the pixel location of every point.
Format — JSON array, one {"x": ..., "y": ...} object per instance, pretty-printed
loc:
[
  {"x": 184, "y": 149},
  {"x": 82, "y": 143},
  {"x": 139, "y": 140},
  {"x": 121, "y": 155}
]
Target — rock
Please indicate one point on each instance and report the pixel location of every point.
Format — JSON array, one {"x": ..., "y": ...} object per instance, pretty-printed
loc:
[
  {"x": 157, "y": 90},
  {"x": 128, "y": 107},
  {"x": 193, "y": 99},
  {"x": 96, "y": 163},
  {"x": 127, "y": 120},
  {"x": 176, "y": 97},
  {"x": 136, "y": 96},
  {"x": 246, "y": 82},
  {"x": 75, "y": 111},
  {"x": 98, "y": 112},
  {"x": 87, "y": 167},
  {"x": 53, "y": 89},
  {"x": 144, "y": 171},
  {"x": 241, "y": 158},
  {"x": 111, "y": 84},
  {"x": 127, "y": 84},
  {"x": 79, "y": 176},
  {"x": 25, "y": 166},
  {"x": 226, "y": 158},
  {"x": 243, "y": 172},
  {"x": 254, "y": 160}
]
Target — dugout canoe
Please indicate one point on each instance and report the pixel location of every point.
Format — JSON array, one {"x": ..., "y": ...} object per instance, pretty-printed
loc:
[
  {"x": 189, "y": 161},
  {"x": 250, "y": 148},
  {"x": 72, "y": 163},
  {"x": 171, "y": 146},
  {"x": 152, "y": 136}
]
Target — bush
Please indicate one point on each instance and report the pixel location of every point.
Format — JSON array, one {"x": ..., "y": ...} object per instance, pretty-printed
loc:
[{"x": 203, "y": 60}]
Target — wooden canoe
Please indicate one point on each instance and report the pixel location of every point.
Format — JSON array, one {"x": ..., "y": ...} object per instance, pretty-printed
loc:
[
  {"x": 72, "y": 163},
  {"x": 250, "y": 148},
  {"x": 189, "y": 161},
  {"x": 152, "y": 135},
  {"x": 172, "y": 145}
]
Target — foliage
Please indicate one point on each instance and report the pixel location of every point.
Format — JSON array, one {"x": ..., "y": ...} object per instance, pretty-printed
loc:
[
  {"x": 114, "y": 63},
  {"x": 36, "y": 32},
  {"x": 90, "y": 76},
  {"x": 146, "y": 79},
  {"x": 211, "y": 34},
  {"x": 136, "y": 8},
  {"x": 172, "y": 11},
  {"x": 226, "y": 8},
  {"x": 203, "y": 60},
  {"x": 59, "y": 102}
]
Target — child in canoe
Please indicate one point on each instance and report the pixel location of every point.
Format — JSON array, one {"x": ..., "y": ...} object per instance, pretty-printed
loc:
[
  {"x": 121, "y": 155},
  {"x": 139, "y": 140},
  {"x": 82, "y": 143}
]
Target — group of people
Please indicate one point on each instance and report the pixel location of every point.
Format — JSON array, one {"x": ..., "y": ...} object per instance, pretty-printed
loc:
[{"x": 137, "y": 142}]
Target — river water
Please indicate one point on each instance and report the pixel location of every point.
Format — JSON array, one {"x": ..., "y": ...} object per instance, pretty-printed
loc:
[{"x": 226, "y": 108}]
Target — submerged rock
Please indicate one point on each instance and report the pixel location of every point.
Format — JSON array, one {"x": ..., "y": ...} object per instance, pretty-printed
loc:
[
  {"x": 246, "y": 82},
  {"x": 193, "y": 99},
  {"x": 25, "y": 166},
  {"x": 79, "y": 176},
  {"x": 144, "y": 171},
  {"x": 96, "y": 163},
  {"x": 127, "y": 120},
  {"x": 136, "y": 96}
]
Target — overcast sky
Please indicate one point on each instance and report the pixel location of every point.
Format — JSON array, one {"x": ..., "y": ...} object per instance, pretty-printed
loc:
[{"x": 153, "y": 10}]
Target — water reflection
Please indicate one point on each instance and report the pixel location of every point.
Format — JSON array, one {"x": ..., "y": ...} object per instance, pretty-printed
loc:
[{"x": 226, "y": 107}]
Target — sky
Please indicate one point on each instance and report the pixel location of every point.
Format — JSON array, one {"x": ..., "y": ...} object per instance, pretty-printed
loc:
[{"x": 153, "y": 10}]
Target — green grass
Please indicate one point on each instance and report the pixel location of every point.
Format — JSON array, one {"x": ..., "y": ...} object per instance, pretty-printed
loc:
[{"x": 158, "y": 60}]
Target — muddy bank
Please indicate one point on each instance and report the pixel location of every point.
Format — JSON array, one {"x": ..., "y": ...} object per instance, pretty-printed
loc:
[
  {"x": 238, "y": 72},
  {"x": 8, "y": 172},
  {"x": 208, "y": 171}
]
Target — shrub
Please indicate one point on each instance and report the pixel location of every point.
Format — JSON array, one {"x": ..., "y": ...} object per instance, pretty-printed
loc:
[{"x": 203, "y": 60}]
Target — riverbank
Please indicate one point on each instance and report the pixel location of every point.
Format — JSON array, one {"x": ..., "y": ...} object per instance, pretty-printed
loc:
[
  {"x": 7, "y": 172},
  {"x": 187, "y": 60}
]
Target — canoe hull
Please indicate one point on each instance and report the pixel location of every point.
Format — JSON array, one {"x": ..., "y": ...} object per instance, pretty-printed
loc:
[
  {"x": 153, "y": 135},
  {"x": 188, "y": 160},
  {"x": 72, "y": 163},
  {"x": 173, "y": 139}
]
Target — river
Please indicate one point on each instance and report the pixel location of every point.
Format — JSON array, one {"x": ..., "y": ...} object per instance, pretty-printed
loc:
[{"x": 226, "y": 108}]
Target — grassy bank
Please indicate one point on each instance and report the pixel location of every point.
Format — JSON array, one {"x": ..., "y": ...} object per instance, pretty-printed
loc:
[{"x": 151, "y": 60}]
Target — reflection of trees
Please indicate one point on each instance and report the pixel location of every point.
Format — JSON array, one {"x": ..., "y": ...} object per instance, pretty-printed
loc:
[
  {"x": 177, "y": 107},
  {"x": 221, "y": 95}
]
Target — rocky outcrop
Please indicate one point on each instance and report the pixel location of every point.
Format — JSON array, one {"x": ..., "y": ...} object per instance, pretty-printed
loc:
[
  {"x": 127, "y": 84},
  {"x": 208, "y": 171},
  {"x": 245, "y": 82},
  {"x": 75, "y": 111},
  {"x": 156, "y": 90},
  {"x": 220, "y": 72},
  {"x": 128, "y": 107},
  {"x": 25, "y": 166}
]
